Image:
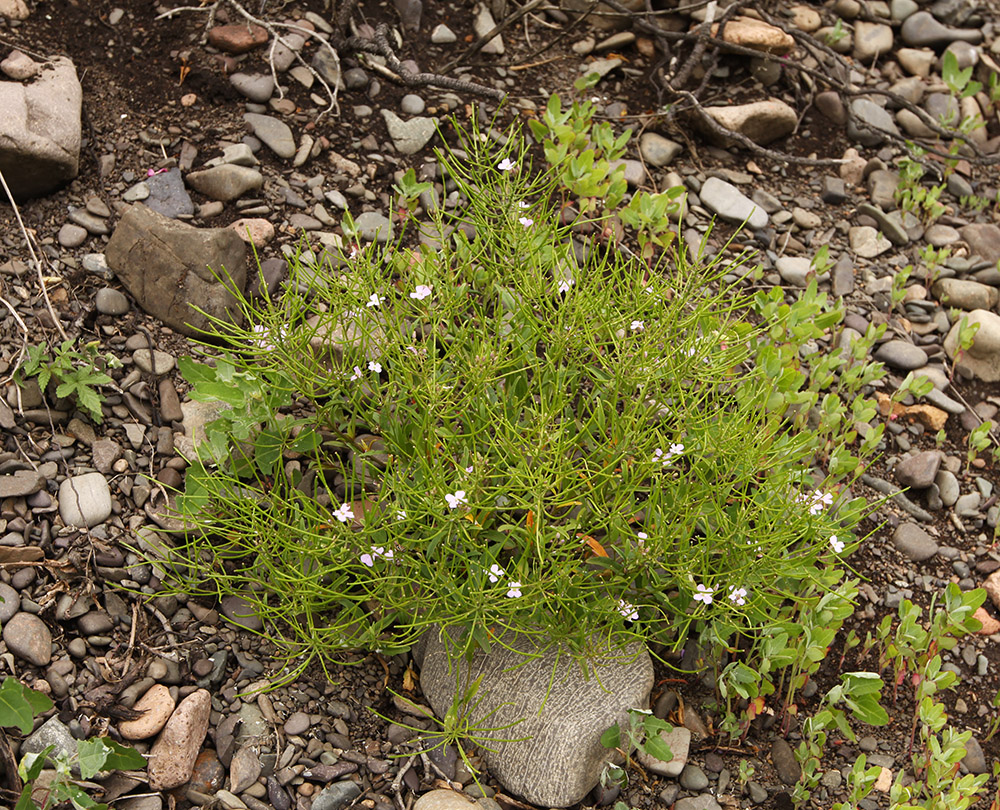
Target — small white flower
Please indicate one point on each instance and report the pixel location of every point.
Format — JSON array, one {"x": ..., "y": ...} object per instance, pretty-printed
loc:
[
  {"x": 738, "y": 596},
  {"x": 422, "y": 292},
  {"x": 522, "y": 204},
  {"x": 344, "y": 514},
  {"x": 400, "y": 514},
  {"x": 358, "y": 373},
  {"x": 374, "y": 366},
  {"x": 470, "y": 468},
  {"x": 506, "y": 165},
  {"x": 628, "y": 611},
  {"x": 704, "y": 594},
  {"x": 514, "y": 590},
  {"x": 676, "y": 449},
  {"x": 367, "y": 559},
  {"x": 637, "y": 326},
  {"x": 836, "y": 545},
  {"x": 375, "y": 300},
  {"x": 495, "y": 573},
  {"x": 564, "y": 285},
  {"x": 456, "y": 500},
  {"x": 526, "y": 222}
]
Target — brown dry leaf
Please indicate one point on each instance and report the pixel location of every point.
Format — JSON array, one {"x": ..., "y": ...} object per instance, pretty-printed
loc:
[
  {"x": 409, "y": 679},
  {"x": 594, "y": 546}
]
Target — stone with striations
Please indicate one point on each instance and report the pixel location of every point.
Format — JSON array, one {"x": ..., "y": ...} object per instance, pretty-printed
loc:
[
  {"x": 760, "y": 121},
  {"x": 913, "y": 542},
  {"x": 275, "y": 134},
  {"x": 561, "y": 713},
  {"x": 226, "y": 182},
  {"x": 28, "y": 638},
  {"x": 85, "y": 500},
  {"x": 156, "y": 706},
  {"x": 731, "y": 204},
  {"x": 983, "y": 356},
  {"x": 170, "y": 268},
  {"x": 445, "y": 800},
  {"x": 172, "y": 758},
  {"x": 40, "y": 130}
]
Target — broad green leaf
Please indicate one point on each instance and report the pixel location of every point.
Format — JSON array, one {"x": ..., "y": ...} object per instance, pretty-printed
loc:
[
  {"x": 24, "y": 801},
  {"x": 655, "y": 747},
  {"x": 611, "y": 738},
  {"x": 31, "y": 764},
  {"x": 19, "y": 705}
]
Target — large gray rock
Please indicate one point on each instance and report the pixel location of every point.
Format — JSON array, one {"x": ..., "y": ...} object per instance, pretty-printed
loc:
[
  {"x": 983, "y": 356},
  {"x": 731, "y": 204},
  {"x": 170, "y": 268},
  {"x": 562, "y": 713},
  {"x": 40, "y": 130}
]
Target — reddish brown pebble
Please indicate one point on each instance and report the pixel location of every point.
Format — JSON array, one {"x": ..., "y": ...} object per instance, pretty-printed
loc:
[
  {"x": 237, "y": 38},
  {"x": 171, "y": 762},
  {"x": 156, "y": 706},
  {"x": 209, "y": 773},
  {"x": 989, "y": 624}
]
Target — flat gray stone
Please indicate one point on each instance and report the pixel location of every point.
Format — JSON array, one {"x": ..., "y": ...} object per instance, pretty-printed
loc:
[
  {"x": 867, "y": 242},
  {"x": 963, "y": 294},
  {"x": 167, "y": 194},
  {"x": 913, "y": 542},
  {"x": 865, "y": 112},
  {"x": 560, "y": 712},
  {"x": 784, "y": 761},
  {"x": 71, "y": 235},
  {"x": 901, "y": 354},
  {"x": 51, "y": 732},
  {"x": 657, "y": 150},
  {"x": 871, "y": 40},
  {"x": 374, "y": 227},
  {"x": 85, "y": 500},
  {"x": 983, "y": 239},
  {"x": 336, "y": 796},
  {"x": 731, "y": 204},
  {"x": 10, "y": 603},
  {"x": 274, "y": 134},
  {"x": 111, "y": 302},
  {"x": 226, "y": 182},
  {"x": 257, "y": 87},
  {"x": 410, "y": 136},
  {"x": 918, "y": 471}
]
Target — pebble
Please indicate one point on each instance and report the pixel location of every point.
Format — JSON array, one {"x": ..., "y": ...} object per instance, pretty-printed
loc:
[
  {"x": 168, "y": 195},
  {"x": 443, "y": 35},
  {"x": 412, "y": 104},
  {"x": 918, "y": 471},
  {"x": 71, "y": 236},
  {"x": 913, "y": 542},
  {"x": 444, "y": 800},
  {"x": 257, "y": 87},
  {"x": 237, "y": 38},
  {"x": 374, "y": 227},
  {"x": 255, "y": 231},
  {"x": 10, "y": 603},
  {"x": 298, "y": 723},
  {"x": 336, "y": 796},
  {"x": 95, "y": 226},
  {"x": 19, "y": 66},
  {"x": 901, "y": 354},
  {"x": 731, "y": 204},
  {"x": 678, "y": 740},
  {"x": 172, "y": 758},
  {"x": 657, "y": 150},
  {"x": 871, "y": 40},
  {"x": 20, "y": 483},
  {"x": 410, "y": 136},
  {"x": 157, "y": 704},
  {"x": 226, "y": 182},
  {"x": 963, "y": 294},
  {"x": 482, "y": 24},
  {"x": 864, "y": 111},
  {"x": 158, "y": 363},
  {"x": 693, "y": 778},
  {"x": 111, "y": 302},
  {"x": 85, "y": 500},
  {"x": 785, "y": 764},
  {"x": 923, "y": 29},
  {"x": 240, "y": 612},
  {"x": 28, "y": 638},
  {"x": 274, "y": 134}
]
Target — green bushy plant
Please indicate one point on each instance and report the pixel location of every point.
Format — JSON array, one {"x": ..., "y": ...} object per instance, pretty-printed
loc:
[
  {"x": 78, "y": 373},
  {"x": 513, "y": 433}
]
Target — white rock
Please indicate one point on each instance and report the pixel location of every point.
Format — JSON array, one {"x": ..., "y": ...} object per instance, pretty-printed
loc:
[{"x": 85, "y": 500}]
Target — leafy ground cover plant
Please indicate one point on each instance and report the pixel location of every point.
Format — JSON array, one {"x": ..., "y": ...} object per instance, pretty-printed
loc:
[
  {"x": 532, "y": 429},
  {"x": 19, "y": 706}
]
